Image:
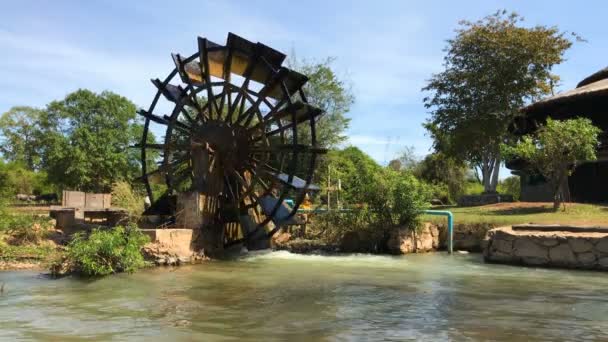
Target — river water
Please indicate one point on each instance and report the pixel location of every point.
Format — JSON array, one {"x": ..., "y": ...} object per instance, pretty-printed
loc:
[{"x": 282, "y": 296}]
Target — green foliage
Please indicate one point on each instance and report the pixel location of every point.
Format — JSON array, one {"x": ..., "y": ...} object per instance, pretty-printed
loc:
[
  {"x": 354, "y": 168},
  {"x": 124, "y": 196},
  {"x": 555, "y": 150},
  {"x": 492, "y": 68},
  {"x": 20, "y": 252},
  {"x": 16, "y": 178},
  {"x": 332, "y": 226},
  {"x": 327, "y": 91},
  {"x": 87, "y": 136},
  {"x": 402, "y": 197},
  {"x": 510, "y": 185},
  {"x": 107, "y": 251},
  {"x": 80, "y": 143},
  {"x": 447, "y": 175},
  {"x": 25, "y": 229},
  {"x": 20, "y": 135},
  {"x": 473, "y": 188}
]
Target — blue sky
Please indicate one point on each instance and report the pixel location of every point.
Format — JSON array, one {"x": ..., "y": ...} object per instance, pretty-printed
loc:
[{"x": 386, "y": 48}]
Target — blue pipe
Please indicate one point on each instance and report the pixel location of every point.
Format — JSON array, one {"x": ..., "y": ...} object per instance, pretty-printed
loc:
[{"x": 450, "y": 225}]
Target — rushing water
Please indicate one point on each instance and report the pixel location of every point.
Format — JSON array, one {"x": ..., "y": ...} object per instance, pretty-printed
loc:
[{"x": 282, "y": 296}]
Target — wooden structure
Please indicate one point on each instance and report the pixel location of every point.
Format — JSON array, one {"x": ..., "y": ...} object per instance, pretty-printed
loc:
[
  {"x": 239, "y": 139},
  {"x": 590, "y": 100}
]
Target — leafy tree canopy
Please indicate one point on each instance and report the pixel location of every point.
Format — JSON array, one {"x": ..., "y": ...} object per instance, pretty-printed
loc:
[
  {"x": 327, "y": 91},
  {"x": 556, "y": 149},
  {"x": 491, "y": 69},
  {"x": 87, "y": 136},
  {"x": 20, "y": 136}
]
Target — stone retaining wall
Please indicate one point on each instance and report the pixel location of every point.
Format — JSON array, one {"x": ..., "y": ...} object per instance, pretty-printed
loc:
[
  {"x": 549, "y": 248},
  {"x": 171, "y": 246},
  {"x": 467, "y": 236}
]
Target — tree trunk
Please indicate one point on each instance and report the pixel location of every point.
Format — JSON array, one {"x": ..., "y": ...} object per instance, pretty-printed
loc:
[
  {"x": 495, "y": 171},
  {"x": 489, "y": 172},
  {"x": 558, "y": 191}
]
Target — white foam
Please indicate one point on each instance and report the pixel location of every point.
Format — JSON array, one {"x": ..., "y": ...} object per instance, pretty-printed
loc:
[{"x": 359, "y": 259}]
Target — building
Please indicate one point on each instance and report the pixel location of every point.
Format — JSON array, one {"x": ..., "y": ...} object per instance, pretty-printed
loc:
[{"x": 589, "y": 182}]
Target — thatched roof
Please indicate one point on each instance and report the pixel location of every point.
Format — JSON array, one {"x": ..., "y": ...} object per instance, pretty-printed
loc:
[
  {"x": 600, "y": 75},
  {"x": 592, "y": 89}
]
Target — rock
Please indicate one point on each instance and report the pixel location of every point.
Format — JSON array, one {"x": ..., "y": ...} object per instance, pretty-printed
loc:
[
  {"x": 404, "y": 240},
  {"x": 525, "y": 248},
  {"x": 401, "y": 241},
  {"x": 602, "y": 245},
  {"x": 549, "y": 242},
  {"x": 281, "y": 237},
  {"x": 498, "y": 257},
  {"x": 502, "y": 246},
  {"x": 562, "y": 255},
  {"x": 586, "y": 259},
  {"x": 534, "y": 261},
  {"x": 580, "y": 245},
  {"x": 603, "y": 263}
]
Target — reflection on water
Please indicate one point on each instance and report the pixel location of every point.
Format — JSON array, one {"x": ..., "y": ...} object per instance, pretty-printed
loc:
[{"x": 281, "y": 296}]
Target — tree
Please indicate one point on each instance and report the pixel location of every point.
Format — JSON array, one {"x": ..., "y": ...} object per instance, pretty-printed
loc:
[
  {"x": 512, "y": 186},
  {"x": 492, "y": 68},
  {"x": 86, "y": 139},
  {"x": 20, "y": 131},
  {"x": 354, "y": 168},
  {"x": 327, "y": 91},
  {"x": 440, "y": 169},
  {"x": 556, "y": 149}
]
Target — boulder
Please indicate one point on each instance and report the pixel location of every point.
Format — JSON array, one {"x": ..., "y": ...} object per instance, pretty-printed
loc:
[
  {"x": 404, "y": 240},
  {"x": 586, "y": 259},
  {"x": 562, "y": 255},
  {"x": 524, "y": 247},
  {"x": 602, "y": 245},
  {"x": 579, "y": 245}
]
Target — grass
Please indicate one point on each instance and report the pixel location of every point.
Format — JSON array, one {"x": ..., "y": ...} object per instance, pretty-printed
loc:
[
  {"x": 526, "y": 212},
  {"x": 25, "y": 252}
]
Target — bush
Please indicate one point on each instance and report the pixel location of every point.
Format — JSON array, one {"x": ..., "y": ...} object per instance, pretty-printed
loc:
[
  {"x": 105, "y": 251},
  {"x": 333, "y": 225},
  {"x": 511, "y": 186},
  {"x": 392, "y": 198},
  {"x": 123, "y": 196},
  {"x": 24, "y": 229}
]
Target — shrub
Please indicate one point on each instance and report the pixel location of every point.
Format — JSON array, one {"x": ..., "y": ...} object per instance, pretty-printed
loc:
[
  {"x": 511, "y": 186},
  {"x": 25, "y": 229},
  {"x": 333, "y": 225},
  {"x": 392, "y": 198},
  {"x": 125, "y": 197},
  {"x": 105, "y": 251}
]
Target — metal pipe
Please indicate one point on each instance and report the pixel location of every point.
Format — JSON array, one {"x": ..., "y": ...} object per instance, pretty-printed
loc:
[{"x": 450, "y": 225}]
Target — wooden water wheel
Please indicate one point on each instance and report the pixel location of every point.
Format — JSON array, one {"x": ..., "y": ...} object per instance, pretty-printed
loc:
[{"x": 238, "y": 130}]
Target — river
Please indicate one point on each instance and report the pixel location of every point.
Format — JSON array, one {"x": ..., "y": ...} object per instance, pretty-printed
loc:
[{"x": 282, "y": 296}]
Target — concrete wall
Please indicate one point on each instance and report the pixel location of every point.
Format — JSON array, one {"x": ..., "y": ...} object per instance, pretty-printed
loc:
[{"x": 79, "y": 199}]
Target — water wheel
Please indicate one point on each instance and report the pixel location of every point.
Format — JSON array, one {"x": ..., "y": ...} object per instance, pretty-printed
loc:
[{"x": 239, "y": 131}]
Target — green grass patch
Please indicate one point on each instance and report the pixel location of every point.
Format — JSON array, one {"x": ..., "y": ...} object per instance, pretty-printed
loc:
[
  {"x": 525, "y": 212},
  {"x": 25, "y": 252}
]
